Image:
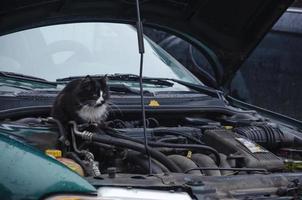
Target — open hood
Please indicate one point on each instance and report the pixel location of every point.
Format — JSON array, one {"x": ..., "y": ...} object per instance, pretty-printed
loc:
[{"x": 226, "y": 31}]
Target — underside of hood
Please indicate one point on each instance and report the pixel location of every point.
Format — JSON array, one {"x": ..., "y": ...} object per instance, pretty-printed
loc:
[{"x": 226, "y": 31}]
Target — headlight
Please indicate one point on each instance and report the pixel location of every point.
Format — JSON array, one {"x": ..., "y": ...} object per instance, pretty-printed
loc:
[
  {"x": 72, "y": 197},
  {"x": 110, "y": 193}
]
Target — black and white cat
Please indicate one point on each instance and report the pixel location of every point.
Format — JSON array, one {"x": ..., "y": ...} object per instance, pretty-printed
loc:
[{"x": 82, "y": 100}]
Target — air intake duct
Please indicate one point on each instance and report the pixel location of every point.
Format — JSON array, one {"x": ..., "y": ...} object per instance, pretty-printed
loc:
[{"x": 270, "y": 137}]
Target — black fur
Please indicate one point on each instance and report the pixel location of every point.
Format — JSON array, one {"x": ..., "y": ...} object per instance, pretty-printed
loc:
[{"x": 78, "y": 94}]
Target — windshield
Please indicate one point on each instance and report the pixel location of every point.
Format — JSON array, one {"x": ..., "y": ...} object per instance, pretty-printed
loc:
[{"x": 79, "y": 49}]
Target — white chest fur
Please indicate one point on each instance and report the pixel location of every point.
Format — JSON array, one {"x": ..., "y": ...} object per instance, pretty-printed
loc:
[{"x": 93, "y": 114}]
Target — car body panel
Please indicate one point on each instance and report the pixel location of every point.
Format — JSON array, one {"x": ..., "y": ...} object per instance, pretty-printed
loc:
[{"x": 27, "y": 173}]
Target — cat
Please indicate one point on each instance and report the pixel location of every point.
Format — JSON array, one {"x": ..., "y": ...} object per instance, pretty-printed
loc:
[{"x": 82, "y": 100}]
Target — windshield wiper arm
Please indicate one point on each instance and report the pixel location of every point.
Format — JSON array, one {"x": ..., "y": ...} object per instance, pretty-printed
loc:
[
  {"x": 200, "y": 88},
  {"x": 156, "y": 81},
  {"x": 125, "y": 89},
  {"x": 112, "y": 87},
  {"x": 71, "y": 78},
  {"x": 133, "y": 77},
  {"x": 169, "y": 82},
  {"x": 123, "y": 77},
  {"x": 25, "y": 77}
]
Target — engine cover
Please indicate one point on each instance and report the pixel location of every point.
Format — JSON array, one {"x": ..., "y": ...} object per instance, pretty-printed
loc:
[{"x": 241, "y": 150}]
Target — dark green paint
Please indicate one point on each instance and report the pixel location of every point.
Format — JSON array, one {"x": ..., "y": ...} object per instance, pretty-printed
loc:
[{"x": 27, "y": 173}]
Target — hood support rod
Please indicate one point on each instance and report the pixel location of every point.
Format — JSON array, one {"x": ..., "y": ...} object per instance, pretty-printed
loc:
[{"x": 141, "y": 49}]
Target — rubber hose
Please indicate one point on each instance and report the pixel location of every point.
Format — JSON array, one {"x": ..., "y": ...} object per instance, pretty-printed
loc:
[
  {"x": 137, "y": 147},
  {"x": 63, "y": 134},
  {"x": 168, "y": 139},
  {"x": 14, "y": 113},
  {"x": 76, "y": 158},
  {"x": 185, "y": 163},
  {"x": 172, "y": 132}
]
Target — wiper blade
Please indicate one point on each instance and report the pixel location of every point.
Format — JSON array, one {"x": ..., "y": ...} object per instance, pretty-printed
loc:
[
  {"x": 168, "y": 82},
  {"x": 199, "y": 88},
  {"x": 71, "y": 78},
  {"x": 123, "y": 77},
  {"x": 25, "y": 77},
  {"x": 133, "y": 77},
  {"x": 156, "y": 81},
  {"x": 122, "y": 88}
]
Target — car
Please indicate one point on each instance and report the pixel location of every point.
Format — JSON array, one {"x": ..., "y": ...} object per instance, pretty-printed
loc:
[{"x": 195, "y": 140}]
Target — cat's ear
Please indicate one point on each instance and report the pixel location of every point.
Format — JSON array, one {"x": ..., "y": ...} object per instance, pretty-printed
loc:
[
  {"x": 104, "y": 79},
  {"x": 87, "y": 78},
  {"x": 86, "y": 82}
]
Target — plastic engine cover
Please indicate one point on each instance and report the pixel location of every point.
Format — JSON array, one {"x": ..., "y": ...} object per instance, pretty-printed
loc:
[{"x": 245, "y": 152}]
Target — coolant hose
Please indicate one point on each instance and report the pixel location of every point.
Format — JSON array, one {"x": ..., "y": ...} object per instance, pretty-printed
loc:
[
  {"x": 63, "y": 135},
  {"x": 177, "y": 133},
  {"x": 137, "y": 147},
  {"x": 76, "y": 158},
  {"x": 33, "y": 111}
]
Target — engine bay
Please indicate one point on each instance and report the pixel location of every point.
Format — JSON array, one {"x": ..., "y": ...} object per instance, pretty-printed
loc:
[{"x": 206, "y": 145}]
